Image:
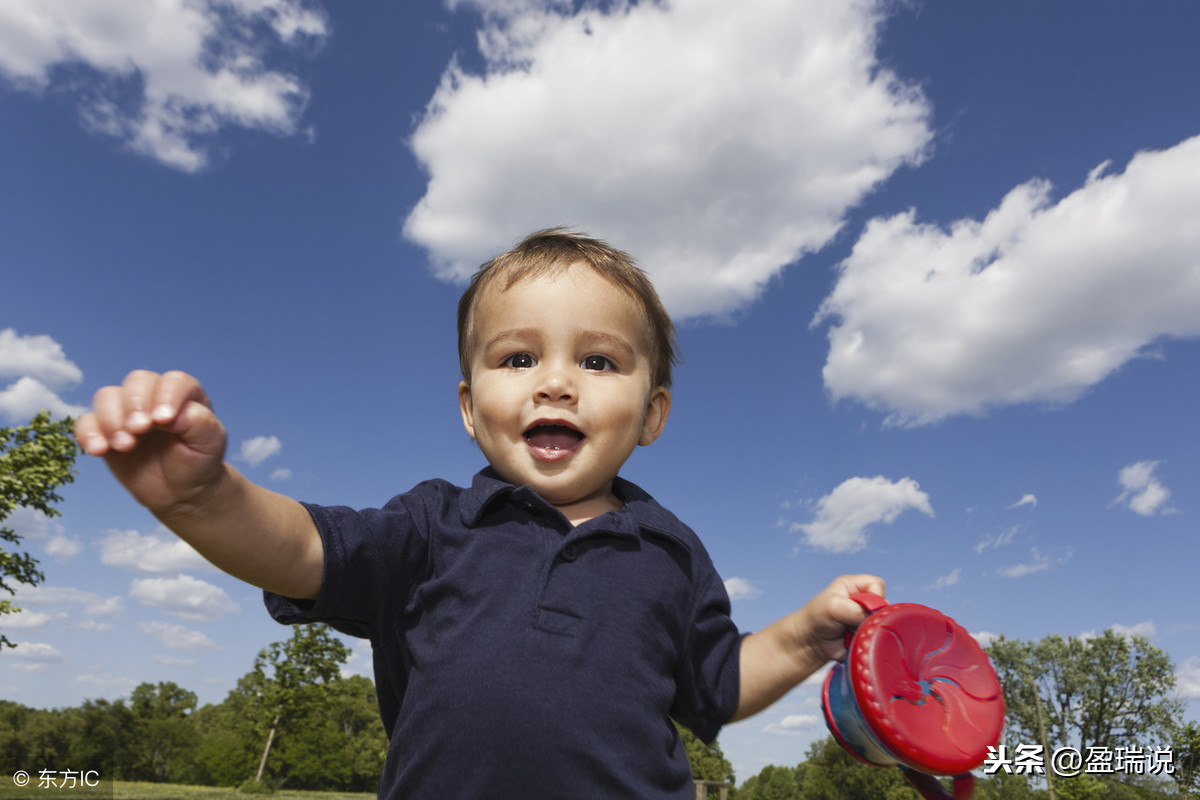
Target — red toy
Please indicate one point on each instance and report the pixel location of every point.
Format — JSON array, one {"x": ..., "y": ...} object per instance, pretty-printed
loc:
[{"x": 915, "y": 691}]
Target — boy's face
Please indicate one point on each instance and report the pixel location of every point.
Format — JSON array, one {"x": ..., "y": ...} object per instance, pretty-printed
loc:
[{"x": 560, "y": 390}]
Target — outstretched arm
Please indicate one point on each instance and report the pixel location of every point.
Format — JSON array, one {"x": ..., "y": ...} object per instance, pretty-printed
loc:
[
  {"x": 161, "y": 440},
  {"x": 780, "y": 656}
]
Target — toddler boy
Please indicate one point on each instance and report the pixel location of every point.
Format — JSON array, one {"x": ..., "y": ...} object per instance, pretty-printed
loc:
[{"x": 533, "y": 634}]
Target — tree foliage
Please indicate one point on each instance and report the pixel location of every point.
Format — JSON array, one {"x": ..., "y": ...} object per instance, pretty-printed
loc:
[
  {"x": 35, "y": 460},
  {"x": 288, "y": 676},
  {"x": 707, "y": 761},
  {"x": 1186, "y": 746},
  {"x": 1103, "y": 691}
]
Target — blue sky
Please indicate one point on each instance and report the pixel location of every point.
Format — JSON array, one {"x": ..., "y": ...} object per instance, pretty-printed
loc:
[{"x": 935, "y": 267}]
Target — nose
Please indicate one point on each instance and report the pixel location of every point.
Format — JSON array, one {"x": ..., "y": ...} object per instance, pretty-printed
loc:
[{"x": 555, "y": 384}]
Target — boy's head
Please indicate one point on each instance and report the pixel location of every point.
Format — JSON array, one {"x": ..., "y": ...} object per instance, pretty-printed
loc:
[
  {"x": 566, "y": 355},
  {"x": 553, "y": 250}
]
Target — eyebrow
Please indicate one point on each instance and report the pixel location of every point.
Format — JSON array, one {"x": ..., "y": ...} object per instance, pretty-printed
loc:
[{"x": 598, "y": 339}]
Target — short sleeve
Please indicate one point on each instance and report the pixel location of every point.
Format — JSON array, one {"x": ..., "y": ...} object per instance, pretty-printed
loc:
[
  {"x": 373, "y": 559},
  {"x": 708, "y": 676}
]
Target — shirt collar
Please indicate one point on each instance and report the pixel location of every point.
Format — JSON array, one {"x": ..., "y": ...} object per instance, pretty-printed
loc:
[{"x": 639, "y": 512}]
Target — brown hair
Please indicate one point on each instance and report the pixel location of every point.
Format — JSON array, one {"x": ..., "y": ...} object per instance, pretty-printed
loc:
[{"x": 553, "y": 250}]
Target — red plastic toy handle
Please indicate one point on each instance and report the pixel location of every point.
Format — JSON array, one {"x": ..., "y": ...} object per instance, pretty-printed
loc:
[{"x": 870, "y": 603}]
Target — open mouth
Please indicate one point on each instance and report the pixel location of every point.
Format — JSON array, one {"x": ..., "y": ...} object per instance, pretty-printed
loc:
[{"x": 553, "y": 440}]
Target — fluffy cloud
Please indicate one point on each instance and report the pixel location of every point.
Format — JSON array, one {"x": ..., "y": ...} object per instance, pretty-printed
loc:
[
  {"x": 41, "y": 370},
  {"x": 716, "y": 142},
  {"x": 1035, "y": 304},
  {"x": 184, "y": 596},
  {"x": 742, "y": 589},
  {"x": 33, "y": 656},
  {"x": 132, "y": 550},
  {"x": 1142, "y": 491},
  {"x": 843, "y": 515},
  {"x": 178, "y": 637},
  {"x": 792, "y": 725},
  {"x": 92, "y": 604},
  {"x": 165, "y": 76},
  {"x": 1188, "y": 679},
  {"x": 259, "y": 449}
]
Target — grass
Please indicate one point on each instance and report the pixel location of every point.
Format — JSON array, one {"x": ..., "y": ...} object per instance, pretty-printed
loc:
[{"x": 125, "y": 790}]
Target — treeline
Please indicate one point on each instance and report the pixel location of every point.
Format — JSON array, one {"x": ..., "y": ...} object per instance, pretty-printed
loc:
[
  {"x": 830, "y": 773},
  {"x": 292, "y": 721},
  {"x": 334, "y": 741}
]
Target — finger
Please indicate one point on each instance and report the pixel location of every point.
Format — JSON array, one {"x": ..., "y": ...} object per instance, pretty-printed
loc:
[
  {"x": 198, "y": 428},
  {"x": 138, "y": 390},
  {"x": 172, "y": 394},
  {"x": 87, "y": 433},
  {"x": 108, "y": 408}
]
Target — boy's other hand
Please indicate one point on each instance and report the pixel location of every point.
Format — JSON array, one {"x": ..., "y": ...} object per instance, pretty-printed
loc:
[
  {"x": 159, "y": 437},
  {"x": 832, "y": 613}
]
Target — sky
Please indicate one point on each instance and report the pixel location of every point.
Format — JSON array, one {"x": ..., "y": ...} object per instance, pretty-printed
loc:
[{"x": 935, "y": 268}]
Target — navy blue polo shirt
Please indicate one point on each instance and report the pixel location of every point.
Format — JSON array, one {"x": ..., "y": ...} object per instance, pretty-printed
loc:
[{"x": 518, "y": 656}]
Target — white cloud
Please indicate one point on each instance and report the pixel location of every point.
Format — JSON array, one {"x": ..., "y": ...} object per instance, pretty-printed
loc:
[
  {"x": 30, "y": 620},
  {"x": 716, "y": 142},
  {"x": 37, "y": 357},
  {"x": 947, "y": 580},
  {"x": 1039, "y": 562},
  {"x": 92, "y": 604},
  {"x": 177, "y": 637},
  {"x": 792, "y": 725},
  {"x": 1142, "y": 491},
  {"x": 844, "y": 514},
  {"x": 183, "y": 596},
  {"x": 259, "y": 449},
  {"x": 132, "y": 550},
  {"x": 164, "y": 77},
  {"x": 281, "y": 474},
  {"x": 1035, "y": 304},
  {"x": 33, "y": 656},
  {"x": 985, "y": 637},
  {"x": 62, "y": 548},
  {"x": 742, "y": 589},
  {"x": 41, "y": 370},
  {"x": 999, "y": 540},
  {"x": 1026, "y": 500},
  {"x": 1187, "y": 679}
]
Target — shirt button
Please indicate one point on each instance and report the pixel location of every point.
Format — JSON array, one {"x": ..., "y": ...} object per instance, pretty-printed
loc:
[{"x": 570, "y": 553}]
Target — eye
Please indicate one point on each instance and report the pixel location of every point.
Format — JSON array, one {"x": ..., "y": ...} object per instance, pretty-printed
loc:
[
  {"x": 597, "y": 363},
  {"x": 519, "y": 361}
]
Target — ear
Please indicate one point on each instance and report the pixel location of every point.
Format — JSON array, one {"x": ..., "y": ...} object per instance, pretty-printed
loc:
[
  {"x": 655, "y": 419},
  {"x": 466, "y": 405}
]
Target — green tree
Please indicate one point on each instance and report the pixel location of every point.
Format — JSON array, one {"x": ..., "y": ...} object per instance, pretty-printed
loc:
[
  {"x": 164, "y": 734},
  {"x": 707, "y": 760},
  {"x": 35, "y": 460},
  {"x": 1185, "y": 745},
  {"x": 287, "y": 676},
  {"x": 833, "y": 774},
  {"x": 1103, "y": 691},
  {"x": 774, "y": 783},
  {"x": 337, "y": 744}
]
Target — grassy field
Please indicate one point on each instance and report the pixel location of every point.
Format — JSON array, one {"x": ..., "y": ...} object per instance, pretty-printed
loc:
[{"x": 121, "y": 790}]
